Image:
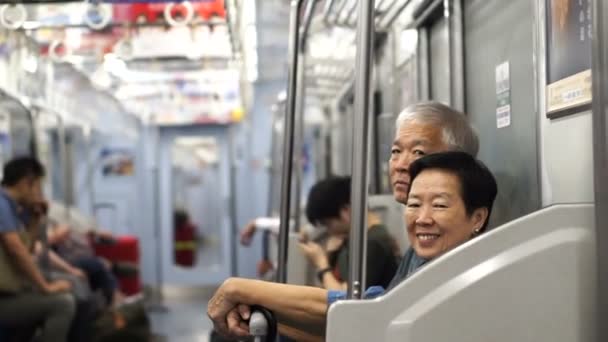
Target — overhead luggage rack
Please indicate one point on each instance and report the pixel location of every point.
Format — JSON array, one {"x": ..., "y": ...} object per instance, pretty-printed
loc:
[
  {"x": 329, "y": 68},
  {"x": 343, "y": 12}
]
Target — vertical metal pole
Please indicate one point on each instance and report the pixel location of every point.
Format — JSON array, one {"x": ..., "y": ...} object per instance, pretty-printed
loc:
[
  {"x": 600, "y": 149},
  {"x": 272, "y": 174},
  {"x": 329, "y": 5},
  {"x": 422, "y": 63},
  {"x": 300, "y": 104},
  {"x": 299, "y": 134},
  {"x": 91, "y": 168},
  {"x": 68, "y": 170},
  {"x": 363, "y": 107},
  {"x": 63, "y": 151},
  {"x": 43, "y": 235},
  {"x": 294, "y": 44},
  {"x": 157, "y": 303},
  {"x": 233, "y": 205},
  {"x": 453, "y": 13}
]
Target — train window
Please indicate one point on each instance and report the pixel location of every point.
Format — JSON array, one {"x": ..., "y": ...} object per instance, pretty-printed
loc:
[
  {"x": 408, "y": 90},
  {"x": 440, "y": 52},
  {"x": 439, "y": 56},
  {"x": 21, "y": 128}
]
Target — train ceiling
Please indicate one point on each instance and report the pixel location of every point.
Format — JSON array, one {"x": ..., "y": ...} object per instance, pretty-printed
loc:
[{"x": 115, "y": 42}]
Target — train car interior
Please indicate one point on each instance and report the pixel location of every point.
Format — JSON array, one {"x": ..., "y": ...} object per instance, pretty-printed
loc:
[{"x": 303, "y": 170}]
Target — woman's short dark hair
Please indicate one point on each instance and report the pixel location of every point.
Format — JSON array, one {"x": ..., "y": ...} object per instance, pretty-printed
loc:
[
  {"x": 477, "y": 184},
  {"x": 21, "y": 168},
  {"x": 327, "y": 198}
]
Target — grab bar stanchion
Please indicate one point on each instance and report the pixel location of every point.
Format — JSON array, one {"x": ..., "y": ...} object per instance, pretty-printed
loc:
[{"x": 363, "y": 106}]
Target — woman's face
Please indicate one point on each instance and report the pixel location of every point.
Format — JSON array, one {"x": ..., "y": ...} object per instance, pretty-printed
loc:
[{"x": 436, "y": 216}]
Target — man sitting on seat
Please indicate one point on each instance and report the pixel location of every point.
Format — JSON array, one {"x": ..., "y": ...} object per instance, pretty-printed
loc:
[
  {"x": 26, "y": 297},
  {"x": 328, "y": 205}
]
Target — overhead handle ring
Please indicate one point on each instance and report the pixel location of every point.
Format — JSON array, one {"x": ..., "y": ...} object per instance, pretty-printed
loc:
[
  {"x": 54, "y": 50},
  {"x": 189, "y": 15},
  {"x": 12, "y": 16},
  {"x": 96, "y": 16}
]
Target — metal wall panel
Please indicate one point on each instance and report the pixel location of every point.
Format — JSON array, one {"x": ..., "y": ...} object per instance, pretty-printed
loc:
[
  {"x": 385, "y": 124},
  {"x": 491, "y": 38}
]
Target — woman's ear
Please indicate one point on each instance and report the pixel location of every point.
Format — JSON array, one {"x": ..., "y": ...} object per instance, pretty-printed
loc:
[{"x": 479, "y": 217}]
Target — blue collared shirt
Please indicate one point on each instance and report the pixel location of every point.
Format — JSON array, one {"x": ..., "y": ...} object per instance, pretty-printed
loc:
[
  {"x": 409, "y": 264},
  {"x": 10, "y": 220}
]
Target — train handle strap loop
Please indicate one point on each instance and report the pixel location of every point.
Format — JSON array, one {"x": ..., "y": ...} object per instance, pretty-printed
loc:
[
  {"x": 124, "y": 48},
  {"x": 189, "y": 15},
  {"x": 96, "y": 16},
  {"x": 262, "y": 324},
  {"x": 15, "y": 10},
  {"x": 55, "y": 50}
]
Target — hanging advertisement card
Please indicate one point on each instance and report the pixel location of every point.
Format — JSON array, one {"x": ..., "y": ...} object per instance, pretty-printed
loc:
[{"x": 568, "y": 56}]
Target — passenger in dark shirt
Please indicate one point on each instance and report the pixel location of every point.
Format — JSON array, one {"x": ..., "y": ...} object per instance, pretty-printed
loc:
[{"x": 328, "y": 205}]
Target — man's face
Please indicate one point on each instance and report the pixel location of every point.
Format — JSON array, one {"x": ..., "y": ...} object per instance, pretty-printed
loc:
[
  {"x": 413, "y": 140},
  {"x": 30, "y": 190},
  {"x": 339, "y": 225}
]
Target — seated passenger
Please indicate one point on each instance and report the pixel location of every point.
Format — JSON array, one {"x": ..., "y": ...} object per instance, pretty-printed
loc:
[
  {"x": 328, "y": 205},
  {"x": 74, "y": 247},
  {"x": 422, "y": 129},
  {"x": 26, "y": 297}
]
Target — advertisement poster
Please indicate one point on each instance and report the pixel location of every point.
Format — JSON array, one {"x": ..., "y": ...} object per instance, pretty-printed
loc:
[
  {"x": 568, "y": 55},
  {"x": 117, "y": 162}
]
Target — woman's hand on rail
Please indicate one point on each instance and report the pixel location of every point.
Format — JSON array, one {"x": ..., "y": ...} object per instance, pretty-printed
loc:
[
  {"x": 237, "y": 320},
  {"x": 228, "y": 315}
]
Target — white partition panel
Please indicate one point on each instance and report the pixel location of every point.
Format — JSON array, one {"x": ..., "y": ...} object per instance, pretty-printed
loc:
[{"x": 533, "y": 279}]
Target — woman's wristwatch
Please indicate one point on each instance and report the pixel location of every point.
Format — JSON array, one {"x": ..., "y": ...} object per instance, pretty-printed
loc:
[{"x": 322, "y": 272}]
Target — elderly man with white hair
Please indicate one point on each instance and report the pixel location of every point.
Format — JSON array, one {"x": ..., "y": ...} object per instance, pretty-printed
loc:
[{"x": 422, "y": 129}]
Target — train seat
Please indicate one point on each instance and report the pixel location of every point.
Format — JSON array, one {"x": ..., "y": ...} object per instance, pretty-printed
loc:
[
  {"x": 124, "y": 250},
  {"x": 533, "y": 279}
]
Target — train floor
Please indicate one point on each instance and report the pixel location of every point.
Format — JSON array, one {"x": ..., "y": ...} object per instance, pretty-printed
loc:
[{"x": 184, "y": 320}]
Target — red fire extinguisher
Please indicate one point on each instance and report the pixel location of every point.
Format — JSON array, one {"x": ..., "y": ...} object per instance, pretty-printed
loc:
[{"x": 184, "y": 240}]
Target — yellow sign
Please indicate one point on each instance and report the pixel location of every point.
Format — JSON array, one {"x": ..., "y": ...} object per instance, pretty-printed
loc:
[{"x": 569, "y": 92}]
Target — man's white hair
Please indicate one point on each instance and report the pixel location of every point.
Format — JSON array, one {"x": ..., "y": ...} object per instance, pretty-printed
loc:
[{"x": 457, "y": 133}]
